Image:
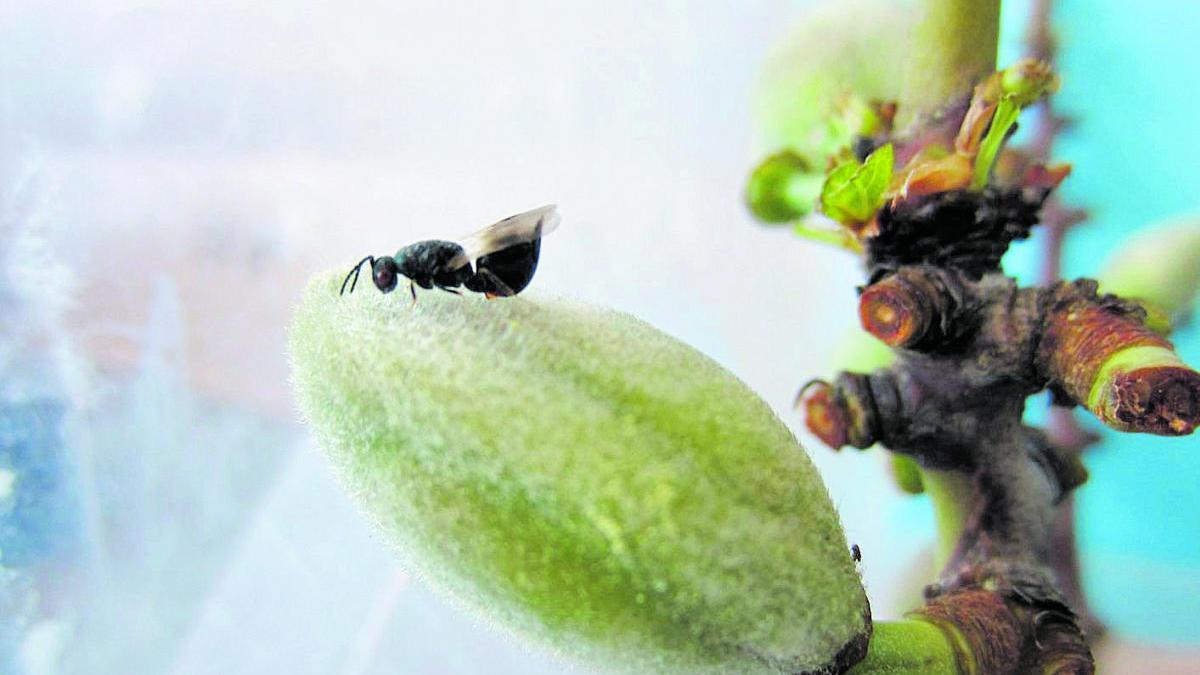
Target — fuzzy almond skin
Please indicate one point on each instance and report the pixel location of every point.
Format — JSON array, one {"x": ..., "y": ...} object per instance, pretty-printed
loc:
[{"x": 581, "y": 479}]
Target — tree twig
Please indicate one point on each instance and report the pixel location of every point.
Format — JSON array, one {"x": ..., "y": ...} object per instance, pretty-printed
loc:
[{"x": 1062, "y": 428}]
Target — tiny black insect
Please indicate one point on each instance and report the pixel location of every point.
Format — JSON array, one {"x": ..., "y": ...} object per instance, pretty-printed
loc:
[
  {"x": 505, "y": 256},
  {"x": 856, "y": 553}
]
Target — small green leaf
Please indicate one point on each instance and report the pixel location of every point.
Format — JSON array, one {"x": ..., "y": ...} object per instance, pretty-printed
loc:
[
  {"x": 838, "y": 192},
  {"x": 853, "y": 192},
  {"x": 877, "y": 174},
  {"x": 581, "y": 478}
]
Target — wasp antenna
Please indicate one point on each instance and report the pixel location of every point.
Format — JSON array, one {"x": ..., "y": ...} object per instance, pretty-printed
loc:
[{"x": 354, "y": 273}]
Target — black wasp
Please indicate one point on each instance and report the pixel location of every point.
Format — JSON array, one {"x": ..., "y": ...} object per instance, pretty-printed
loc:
[{"x": 505, "y": 255}]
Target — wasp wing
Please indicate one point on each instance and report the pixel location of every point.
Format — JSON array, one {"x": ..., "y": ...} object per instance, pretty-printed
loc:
[{"x": 519, "y": 229}]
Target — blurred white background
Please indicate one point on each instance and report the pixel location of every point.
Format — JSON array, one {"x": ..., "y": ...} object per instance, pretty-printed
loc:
[{"x": 185, "y": 167}]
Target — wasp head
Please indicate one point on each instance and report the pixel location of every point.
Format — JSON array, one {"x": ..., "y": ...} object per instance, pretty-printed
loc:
[{"x": 384, "y": 273}]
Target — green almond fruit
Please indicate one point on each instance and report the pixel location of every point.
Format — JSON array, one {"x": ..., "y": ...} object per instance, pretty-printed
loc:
[{"x": 581, "y": 479}]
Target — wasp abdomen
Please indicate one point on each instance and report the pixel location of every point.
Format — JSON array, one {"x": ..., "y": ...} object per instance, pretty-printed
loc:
[{"x": 505, "y": 272}]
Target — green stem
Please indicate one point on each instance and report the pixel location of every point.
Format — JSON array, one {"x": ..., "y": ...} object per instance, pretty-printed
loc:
[
  {"x": 952, "y": 493},
  {"x": 1003, "y": 120},
  {"x": 908, "y": 647},
  {"x": 840, "y": 238},
  {"x": 953, "y": 45}
]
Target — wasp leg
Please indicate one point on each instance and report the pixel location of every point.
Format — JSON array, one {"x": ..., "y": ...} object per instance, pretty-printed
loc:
[
  {"x": 450, "y": 290},
  {"x": 413, "y": 290},
  {"x": 490, "y": 285}
]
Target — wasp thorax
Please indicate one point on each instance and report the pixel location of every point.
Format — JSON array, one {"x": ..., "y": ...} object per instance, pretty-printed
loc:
[{"x": 383, "y": 273}]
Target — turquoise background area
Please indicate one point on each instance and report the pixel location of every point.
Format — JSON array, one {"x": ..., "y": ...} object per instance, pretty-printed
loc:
[{"x": 1130, "y": 73}]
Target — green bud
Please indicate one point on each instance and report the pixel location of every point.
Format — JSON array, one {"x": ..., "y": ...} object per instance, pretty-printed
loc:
[
  {"x": 1028, "y": 80},
  {"x": 782, "y": 188},
  {"x": 581, "y": 478},
  {"x": 1159, "y": 267}
]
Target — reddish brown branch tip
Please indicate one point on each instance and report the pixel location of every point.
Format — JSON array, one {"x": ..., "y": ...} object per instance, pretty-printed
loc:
[
  {"x": 893, "y": 311},
  {"x": 842, "y": 413},
  {"x": 823, "y": 415},
  {"x": 1098, "y": 351},
  {"x": 911, "y": 307},
  {"x": 1161, "y": 400}
]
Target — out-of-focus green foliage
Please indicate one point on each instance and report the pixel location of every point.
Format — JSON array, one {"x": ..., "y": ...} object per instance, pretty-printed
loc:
[
  {"x": 907, "y": 473},
  {"x": 581, "y": 478},
  {"x": 861, "y": 352},
  {"x": 840, "y": 55},
  {"x": 1160, "y": 268}
]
